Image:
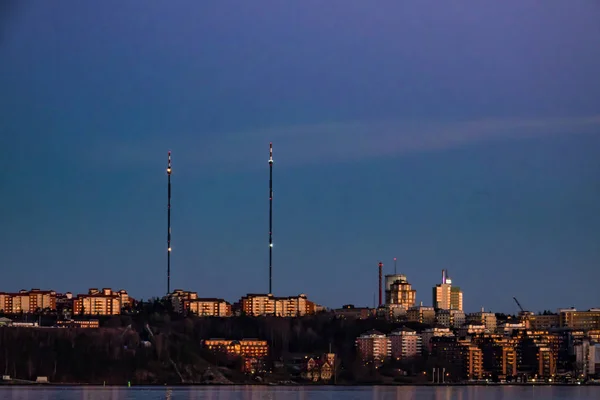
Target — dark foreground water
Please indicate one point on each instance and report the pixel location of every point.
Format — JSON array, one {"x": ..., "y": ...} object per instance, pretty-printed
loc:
[{"x": 306, "y": 393}]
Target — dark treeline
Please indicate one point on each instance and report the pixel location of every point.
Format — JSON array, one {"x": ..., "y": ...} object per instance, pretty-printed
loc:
[{"x": 122, "y": 349}]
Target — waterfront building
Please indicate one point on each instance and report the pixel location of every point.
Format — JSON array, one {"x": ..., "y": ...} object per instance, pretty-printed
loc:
[
  {"x": 404, "y": 343},
  {"x": 373, "y": 346}
]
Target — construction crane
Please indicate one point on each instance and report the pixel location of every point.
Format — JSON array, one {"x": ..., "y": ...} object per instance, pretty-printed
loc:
[{"x": 519, "y": 304}]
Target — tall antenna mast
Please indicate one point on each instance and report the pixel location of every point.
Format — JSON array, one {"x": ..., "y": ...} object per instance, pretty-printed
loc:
[
  {"x": 395, "y": 271},
  {"x": 380, "y": 270},
  {"x": 169, "y": 225},
  {"x": 270, "y": 218}
]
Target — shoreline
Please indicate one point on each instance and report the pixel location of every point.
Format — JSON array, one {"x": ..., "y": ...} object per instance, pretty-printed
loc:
[{"x": 182, "y": 385}]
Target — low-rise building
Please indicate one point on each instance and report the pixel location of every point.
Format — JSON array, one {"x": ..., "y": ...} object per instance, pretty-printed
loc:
[
  {"x": 348, "y": 311},
  {"x": 252, "y": 351},
  {"x": 78, "y": 323}
]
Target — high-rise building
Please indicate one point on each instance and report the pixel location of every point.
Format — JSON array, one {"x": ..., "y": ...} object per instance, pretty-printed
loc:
[
  {"x": 399, "y": 291},
  {"x": 446, "y": 296}
]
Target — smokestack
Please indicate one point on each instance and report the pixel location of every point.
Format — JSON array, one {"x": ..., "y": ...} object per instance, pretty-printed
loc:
[
  {"x": 443, "y": 276},
  {"x": 380, "y": 271}
]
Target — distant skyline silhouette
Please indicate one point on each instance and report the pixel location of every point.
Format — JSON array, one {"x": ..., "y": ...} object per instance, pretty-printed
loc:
[{"x": 451, "y": 136}]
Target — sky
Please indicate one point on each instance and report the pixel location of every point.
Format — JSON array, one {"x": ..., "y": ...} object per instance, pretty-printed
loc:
[{"x": 451, "y": 135}]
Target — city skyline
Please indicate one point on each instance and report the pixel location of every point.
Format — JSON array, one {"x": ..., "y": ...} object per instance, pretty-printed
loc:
[{"x": 474, "y": 152}]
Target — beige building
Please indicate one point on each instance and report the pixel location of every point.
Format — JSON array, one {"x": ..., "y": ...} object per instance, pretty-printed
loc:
[
  {"x": 399, "y": 291},
  {"x": 429, "y": 334},
  {"x": 488, "y": 319},
  {"x": 208, "y": 307},
  {"x": 421, "y": 314},
  {"x": 587, "y": 320},
  {"x": 450, "y": 318},
  {"x": 179, "y": 296},
  {"x": 267, "y": 304},
  {"x": 446, "y": 296},
  {"x": 189, "y": 302},
  {"x": 404, "y": 343},
  {"x": 104, "y": 302},
  {"x": 27, "y": 301}
]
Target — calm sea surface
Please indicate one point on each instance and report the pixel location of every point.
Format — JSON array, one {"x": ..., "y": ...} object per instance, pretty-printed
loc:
[{"x": 305, "y": 393}]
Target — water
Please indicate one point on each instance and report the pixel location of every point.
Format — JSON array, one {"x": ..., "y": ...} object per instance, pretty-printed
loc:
[{"x": 304, "y": 393}]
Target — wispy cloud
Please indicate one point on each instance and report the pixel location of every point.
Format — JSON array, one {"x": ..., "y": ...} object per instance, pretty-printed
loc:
[{"x": 334, "y": 142}]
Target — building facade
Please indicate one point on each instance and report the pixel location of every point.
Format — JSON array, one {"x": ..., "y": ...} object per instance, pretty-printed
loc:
[
  {"x": 421, "y": 314},
  {"x": 399, "y": 291},
  {"x": 104, "y": 302},
  {"x": 446, "y": 296},
  {"x": 267, "y": 304},
  {"x": 404, "y": 343},
  {"x": 373, "y": 346},
  {"x": 573, "y": 319},
  {"x": 31, "y": 301}
]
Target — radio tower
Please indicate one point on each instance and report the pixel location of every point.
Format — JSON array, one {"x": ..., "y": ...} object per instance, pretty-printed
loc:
[
  {"x": 270, "y": 218},
  {"x": 169, "y": 225},
  {"x": 380, "y": 269},
  {"x": 395, "y": 273}
]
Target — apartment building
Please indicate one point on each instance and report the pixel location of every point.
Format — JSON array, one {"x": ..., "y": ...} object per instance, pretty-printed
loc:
[
  {"x": 499, "y": 359},
  {"x": 483, "y": 318},
  {"x": 373, "y": 346},
  {"x": 464, "y": 357},
  {"x": 100, "y": 302},
  {"x": 573, "y": 319},
  {"x": 404, "y": 343},
  {"x": 421, "y": 314},
  {"x": 450, "y": 318},
  {"x": 27, "y": 301},
  {"x": 428, "y": 334},
  {"x": 179, "y": 296},
  {"x": 537, "y": 353},
  {"x": 539, "y": 322},
  {"x": 267, "y": 304},
  {"x": 208, "y": 307}
]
